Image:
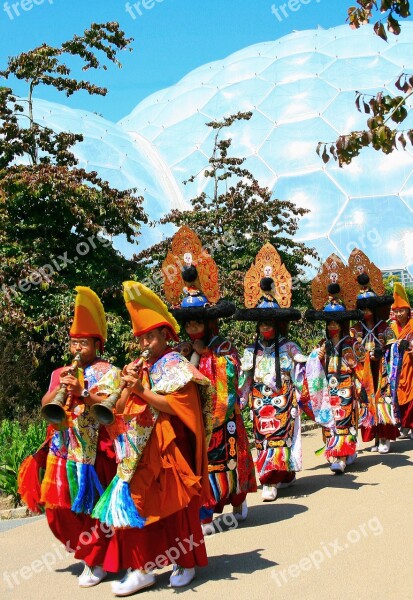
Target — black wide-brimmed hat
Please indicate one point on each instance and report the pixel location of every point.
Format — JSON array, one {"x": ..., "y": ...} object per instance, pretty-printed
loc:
[
  {"x": 207, "y": 312},
  {"x": 334, "y": 310},
  {"x": 267, "y": 314},
  {"x": 367, "y": 298}
]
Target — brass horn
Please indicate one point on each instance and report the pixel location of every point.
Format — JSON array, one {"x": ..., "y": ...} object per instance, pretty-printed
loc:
[
  {"x": 103, "y": 412},
  {"x": 54, "y": 411}
]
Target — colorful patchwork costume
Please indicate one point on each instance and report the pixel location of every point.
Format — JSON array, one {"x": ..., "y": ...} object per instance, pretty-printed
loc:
[
  {"x": 272, "y": 372},
  {"x": 77, "y": 461},
  {"x": 378, "y": 410},
  {"x": 331, "y": 371},
  {"x": 192, "y": 273}
]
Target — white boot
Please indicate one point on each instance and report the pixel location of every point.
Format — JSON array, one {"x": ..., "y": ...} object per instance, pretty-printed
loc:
[{"x": 269, "y": 493}]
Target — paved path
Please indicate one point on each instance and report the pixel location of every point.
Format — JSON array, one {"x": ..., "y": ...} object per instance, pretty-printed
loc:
[{"x": 329, "y": 537}]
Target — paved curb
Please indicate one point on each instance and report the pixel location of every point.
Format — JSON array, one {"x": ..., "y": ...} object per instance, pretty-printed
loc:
[
  {"x": 21, "y": 512},
  {"x": 309, "y": 426}
]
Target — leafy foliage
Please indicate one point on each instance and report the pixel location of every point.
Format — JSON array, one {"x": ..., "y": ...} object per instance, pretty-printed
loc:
[
  {"x": 394, "y": 10},
  {"x": 379, "y": 134},
  {"x": 57, "y": 221},
  {"x": 16, "y": 442},
  {"x": 383, "y": 107}
]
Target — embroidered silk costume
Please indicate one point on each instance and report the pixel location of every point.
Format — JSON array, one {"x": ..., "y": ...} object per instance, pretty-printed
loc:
[
  {"x": 401, "y": 360},
  {"x": 272, "y": 371},
  {"x": 76, "y": 462},
  {"x": 162, "y": 476},
  {"x": 331, "y": 380},
  {"x": 230, "y": 465},
  {"x": 378, "y": 410}
]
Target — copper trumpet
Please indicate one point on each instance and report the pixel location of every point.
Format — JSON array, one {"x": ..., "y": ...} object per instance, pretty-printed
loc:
[
  {"x": 54, "y": 411},
  {"x": 103, "y": 412}
]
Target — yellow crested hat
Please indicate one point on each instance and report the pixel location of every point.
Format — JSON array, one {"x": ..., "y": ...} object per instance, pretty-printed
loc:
[
  {"x": 400, "y": 297},
  {"x": 89, "y": 319},
  {"x": 147, "y": 311}
]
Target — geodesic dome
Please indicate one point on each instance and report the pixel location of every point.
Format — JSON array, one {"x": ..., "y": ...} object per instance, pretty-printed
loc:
[
  {"x": 301, "y": 91},
  {"x": 124, "y": 160}
]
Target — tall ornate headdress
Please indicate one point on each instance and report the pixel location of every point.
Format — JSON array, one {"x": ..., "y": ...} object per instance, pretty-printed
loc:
[
  {"x": 191, "y": 280},
  {"x": 334, "y": 292},
  {"x": 146, "y": 310},
  {"x": 400, "y": 297},
  {"x": 267, "y": 289},
  {"x": 89, "y": 318},
  {"x": 371, "y": 293}
]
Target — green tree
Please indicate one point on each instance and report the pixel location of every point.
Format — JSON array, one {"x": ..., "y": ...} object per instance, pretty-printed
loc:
[{"x": 57, "y": 219}]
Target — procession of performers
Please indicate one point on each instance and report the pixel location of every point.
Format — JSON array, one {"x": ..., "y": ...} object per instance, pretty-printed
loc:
[{"x": 136, "y": 462}]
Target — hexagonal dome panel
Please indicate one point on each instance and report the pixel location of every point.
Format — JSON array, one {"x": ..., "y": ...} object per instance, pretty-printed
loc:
[
  {"x": 125, "y": 160},
  {"x": 386, "y": 241},
  {"x": 314, "y": 75}
]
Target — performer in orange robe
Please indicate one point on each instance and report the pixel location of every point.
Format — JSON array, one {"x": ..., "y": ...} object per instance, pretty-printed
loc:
[
  {"x": 402, "y": 371},
  {"x": 153, "y": 503}
]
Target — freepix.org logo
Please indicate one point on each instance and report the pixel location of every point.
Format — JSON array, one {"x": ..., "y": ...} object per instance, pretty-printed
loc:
[
  {"x": 137, "y": 9},
  {"x": 284, "y": 10},
  {"x": 16, "y": 9}
]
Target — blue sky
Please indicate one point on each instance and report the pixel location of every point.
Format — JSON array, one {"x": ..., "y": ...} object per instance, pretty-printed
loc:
[{"x": 171, "y": 37}]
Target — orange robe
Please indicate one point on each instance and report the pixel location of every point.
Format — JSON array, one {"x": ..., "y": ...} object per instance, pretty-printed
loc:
[
  {"x": 165, "y": 480},
  {"x": 405, "y": 387},
  {"x": 169, "y": 486}
]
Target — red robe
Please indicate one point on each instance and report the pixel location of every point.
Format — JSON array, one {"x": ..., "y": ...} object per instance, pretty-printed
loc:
[{"x": 169, "y": 486}]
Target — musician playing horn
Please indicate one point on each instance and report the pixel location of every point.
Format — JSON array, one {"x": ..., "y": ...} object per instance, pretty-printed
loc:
[
  {"x": 78, "y": 455},
  {"x": 162, "y": 476}
]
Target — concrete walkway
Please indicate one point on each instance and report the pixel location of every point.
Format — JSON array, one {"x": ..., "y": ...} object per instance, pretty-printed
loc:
[{"x": 327, "y": 537}]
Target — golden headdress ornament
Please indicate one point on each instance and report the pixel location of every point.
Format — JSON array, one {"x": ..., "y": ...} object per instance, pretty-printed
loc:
[
  {"x": 334, "y": 293},
  {"x": 267, "y": 289},
  {"x": 371, "y": 292},
  {"x": 187, "y": 252},
  {"x": 191, "y": 280}
]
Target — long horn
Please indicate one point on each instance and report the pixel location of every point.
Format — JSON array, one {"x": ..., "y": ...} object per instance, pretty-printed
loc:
[
  {"x": 54, "y": 411},
  {"x": 104, "y": 411}
]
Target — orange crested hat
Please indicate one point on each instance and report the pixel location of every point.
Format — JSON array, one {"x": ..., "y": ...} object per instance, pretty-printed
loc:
[
  {"x": 89, "y": 320},
  {"x": 400, "y": 297},
  {"x": 147, "y": 311}
]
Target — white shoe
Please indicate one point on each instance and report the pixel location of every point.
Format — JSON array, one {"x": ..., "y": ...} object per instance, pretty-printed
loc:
[
  {"x": 350, "y": 459},
  {"x": 338, "y": 465},
  {"x": 384, "y": 446},
  {"x": 181, "y": 576},
  {"x": 404, "y": 434},
  {"x": 208, "y": 528},
  {"x": 374, "y": 449},
  {"x": 91, "y": 576},
  {"x": 269, "y": 493},
  {"x": 240, "y": 512},
  {"x": 133, "y": 582},
  {"x": 282, "y": 485}
]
